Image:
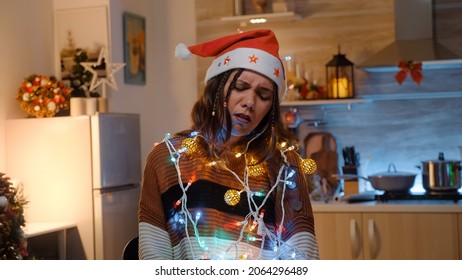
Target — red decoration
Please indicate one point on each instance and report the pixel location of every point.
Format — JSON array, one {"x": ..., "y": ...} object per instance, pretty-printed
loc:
[{"x": 412, "y": 67}]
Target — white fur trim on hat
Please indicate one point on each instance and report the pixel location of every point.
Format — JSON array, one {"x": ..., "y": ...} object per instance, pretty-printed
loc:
[
  {"x": 252, "y": 59},
  {"x": 182, "y": 51}
]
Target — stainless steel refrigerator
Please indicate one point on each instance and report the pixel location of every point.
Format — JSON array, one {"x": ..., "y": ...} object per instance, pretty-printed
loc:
[{"x": 84, "y": 169}]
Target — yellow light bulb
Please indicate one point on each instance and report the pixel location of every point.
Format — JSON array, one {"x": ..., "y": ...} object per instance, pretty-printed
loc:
[
  {"x": 190, "y": 145},
  {"x": 256, "y": 170},
  {"x": 232, "y": 197},
  {"x": 308, "y": 166}
]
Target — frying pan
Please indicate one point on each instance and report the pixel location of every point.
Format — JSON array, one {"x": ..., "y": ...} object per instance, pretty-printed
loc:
[{"x": 390, "y": 181}]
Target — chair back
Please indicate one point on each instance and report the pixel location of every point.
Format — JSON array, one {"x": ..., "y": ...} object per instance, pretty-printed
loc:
[{"x": 130, "y": 251}]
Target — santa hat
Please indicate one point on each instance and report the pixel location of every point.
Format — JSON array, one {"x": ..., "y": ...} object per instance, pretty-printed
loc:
[{"x": 255, "y": 50}]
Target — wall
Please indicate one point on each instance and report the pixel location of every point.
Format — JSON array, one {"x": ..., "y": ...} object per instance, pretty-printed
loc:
[
  {"x": 26, "y": 47},
  {"x": 170, "y": 90},
  {"x": 405, "y": 131},
  {"x": 26, "y": 29}
]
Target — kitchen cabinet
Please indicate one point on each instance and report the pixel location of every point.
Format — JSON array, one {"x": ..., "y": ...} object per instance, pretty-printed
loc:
[
  {"x": 460, "y": 236},
  {"x": 339, "y": 236},
  {"x": 410, "y": 236},
  {"x": 372, "y": 235}
]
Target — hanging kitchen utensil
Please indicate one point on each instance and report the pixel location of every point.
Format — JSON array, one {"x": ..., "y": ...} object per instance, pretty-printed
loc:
[
  {"x": 327, "y": 160},
  {"x": 313, "y": 142}
]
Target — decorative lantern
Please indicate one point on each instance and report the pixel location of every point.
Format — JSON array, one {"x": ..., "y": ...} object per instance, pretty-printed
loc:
[{"x": 340, "y": 77}]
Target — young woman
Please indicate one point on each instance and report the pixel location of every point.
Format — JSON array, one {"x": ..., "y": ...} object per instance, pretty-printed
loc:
[{"x": 233, "y": 186}]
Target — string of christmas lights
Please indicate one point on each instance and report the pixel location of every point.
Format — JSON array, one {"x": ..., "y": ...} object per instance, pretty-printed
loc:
[{"x": 254, "y": 219}]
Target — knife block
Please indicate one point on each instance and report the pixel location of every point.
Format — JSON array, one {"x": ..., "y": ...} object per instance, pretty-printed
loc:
[{"x": 350, "y": 187}]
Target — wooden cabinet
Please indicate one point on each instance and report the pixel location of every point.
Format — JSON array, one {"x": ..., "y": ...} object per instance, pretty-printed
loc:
[
  {"x": 389, "y": 236},
  {"x": 412, "y": 236},
  {"x": 460, "y": 236},
  {"x": 339, "y": 236}
]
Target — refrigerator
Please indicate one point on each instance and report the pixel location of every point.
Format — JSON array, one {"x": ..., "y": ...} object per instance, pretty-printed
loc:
[{"x": 83, "y": 169}]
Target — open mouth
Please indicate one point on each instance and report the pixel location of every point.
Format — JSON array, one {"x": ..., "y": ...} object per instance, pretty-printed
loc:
[{"x": 243, "y": 118}]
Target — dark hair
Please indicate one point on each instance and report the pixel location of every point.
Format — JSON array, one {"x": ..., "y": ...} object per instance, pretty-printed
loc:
[{"x": 209, "y": 114}]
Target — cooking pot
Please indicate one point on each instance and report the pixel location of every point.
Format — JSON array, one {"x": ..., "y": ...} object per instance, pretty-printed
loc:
[
  {"x": 441, "y": 174},
  {"x": 390, "y": 181}
]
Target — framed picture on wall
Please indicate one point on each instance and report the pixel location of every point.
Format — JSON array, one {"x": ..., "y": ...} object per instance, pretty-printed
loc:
[
  {"x": 134, "y": 48},
  {"x": 73, "y": 39}
]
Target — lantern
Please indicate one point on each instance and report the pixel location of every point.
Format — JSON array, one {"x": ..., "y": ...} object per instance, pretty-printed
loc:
[{"x": 340, "y": 77}]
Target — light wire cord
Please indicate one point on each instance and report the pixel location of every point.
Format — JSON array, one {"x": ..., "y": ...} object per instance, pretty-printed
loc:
[{"x": 265, "y": 232}]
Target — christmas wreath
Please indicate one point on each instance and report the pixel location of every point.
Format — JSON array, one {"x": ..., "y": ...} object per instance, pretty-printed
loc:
[{"x": 42, "y": 96}]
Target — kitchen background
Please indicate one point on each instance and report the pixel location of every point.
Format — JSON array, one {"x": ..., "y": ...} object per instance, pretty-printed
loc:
[
  {"x": 401, "y": 124},
  {"x": 415, "y": 126}
]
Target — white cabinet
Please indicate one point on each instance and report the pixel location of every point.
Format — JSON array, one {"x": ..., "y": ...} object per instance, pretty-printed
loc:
[{"x": 389, "y": 236}]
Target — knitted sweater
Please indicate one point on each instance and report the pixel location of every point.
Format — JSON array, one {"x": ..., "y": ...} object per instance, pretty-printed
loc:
[{"x": 183, "y": 213}]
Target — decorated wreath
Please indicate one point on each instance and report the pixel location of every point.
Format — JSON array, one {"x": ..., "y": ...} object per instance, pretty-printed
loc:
[{"x": 42, "y": 96}]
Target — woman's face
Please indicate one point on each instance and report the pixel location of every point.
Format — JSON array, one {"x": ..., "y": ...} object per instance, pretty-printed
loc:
[{"x": 249, "y": 101}]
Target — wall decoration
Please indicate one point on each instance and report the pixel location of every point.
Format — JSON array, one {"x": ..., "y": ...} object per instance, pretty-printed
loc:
[
  {"x": 42, "y": 96},
  {"x": 76, "y": 31},
  {"x": 414, "y": 68},
  {"x": 103, "y": 71},
  {"x": 134, "y": 48}
]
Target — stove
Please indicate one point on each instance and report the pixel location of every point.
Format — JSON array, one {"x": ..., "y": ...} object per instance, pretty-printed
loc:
[{"x": 386, "y": 196}]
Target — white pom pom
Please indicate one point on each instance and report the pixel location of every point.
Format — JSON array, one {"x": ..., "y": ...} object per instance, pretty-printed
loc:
[{"x": 182, "y": 51}]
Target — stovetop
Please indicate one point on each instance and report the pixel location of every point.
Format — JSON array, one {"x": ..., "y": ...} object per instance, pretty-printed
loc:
[{"x": 386, "y": 196}]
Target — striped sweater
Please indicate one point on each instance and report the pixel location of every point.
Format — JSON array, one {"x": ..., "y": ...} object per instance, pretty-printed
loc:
[{"x": 183, "y": 213}]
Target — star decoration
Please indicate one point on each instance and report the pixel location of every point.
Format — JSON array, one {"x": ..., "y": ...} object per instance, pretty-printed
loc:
[
  {"x": 105, "y": 78},
  {"x": 253, "y": 59},
  {"x": 276, "y": 72}
]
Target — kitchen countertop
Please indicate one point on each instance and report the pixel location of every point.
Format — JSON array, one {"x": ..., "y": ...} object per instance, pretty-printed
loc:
[{"x": 409, "y": 206}]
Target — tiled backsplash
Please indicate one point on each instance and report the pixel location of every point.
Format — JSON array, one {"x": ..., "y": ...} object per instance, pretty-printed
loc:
[{"x": 403, "y": 132}]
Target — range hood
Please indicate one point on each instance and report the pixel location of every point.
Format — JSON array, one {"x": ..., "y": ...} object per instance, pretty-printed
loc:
[{"x": 413, "y": 41}]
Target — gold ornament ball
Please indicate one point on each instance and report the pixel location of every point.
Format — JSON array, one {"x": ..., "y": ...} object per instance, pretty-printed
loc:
[
  {"x": 308, "y": 166},
  {"x": 190, "y": 145},
  {"x": 256, "y": 170},
  {"x": 232, "y": 197}
]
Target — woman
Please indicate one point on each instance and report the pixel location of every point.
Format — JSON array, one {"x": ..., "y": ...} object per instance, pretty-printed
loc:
[{"x": 233, "y": 186}]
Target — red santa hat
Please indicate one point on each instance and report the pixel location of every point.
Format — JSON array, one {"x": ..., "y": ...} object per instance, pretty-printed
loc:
[{"x": 255, "y": 50}]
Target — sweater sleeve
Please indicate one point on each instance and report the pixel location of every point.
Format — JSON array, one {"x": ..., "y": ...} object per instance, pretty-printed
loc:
[
  {"x": 294, "y": 213},
  {"x": 153, "y": 235},
  {"x": 154, "y": 243}
]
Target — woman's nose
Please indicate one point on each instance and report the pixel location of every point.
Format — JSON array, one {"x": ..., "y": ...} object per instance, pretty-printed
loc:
[{"x": 249, "y": 104}]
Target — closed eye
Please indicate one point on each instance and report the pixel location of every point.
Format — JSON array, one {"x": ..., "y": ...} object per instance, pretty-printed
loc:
[
  {"x": 262, "y": 92},
  {"x": 265, "y": 94},
  {"x": 241, "y": 86}
]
